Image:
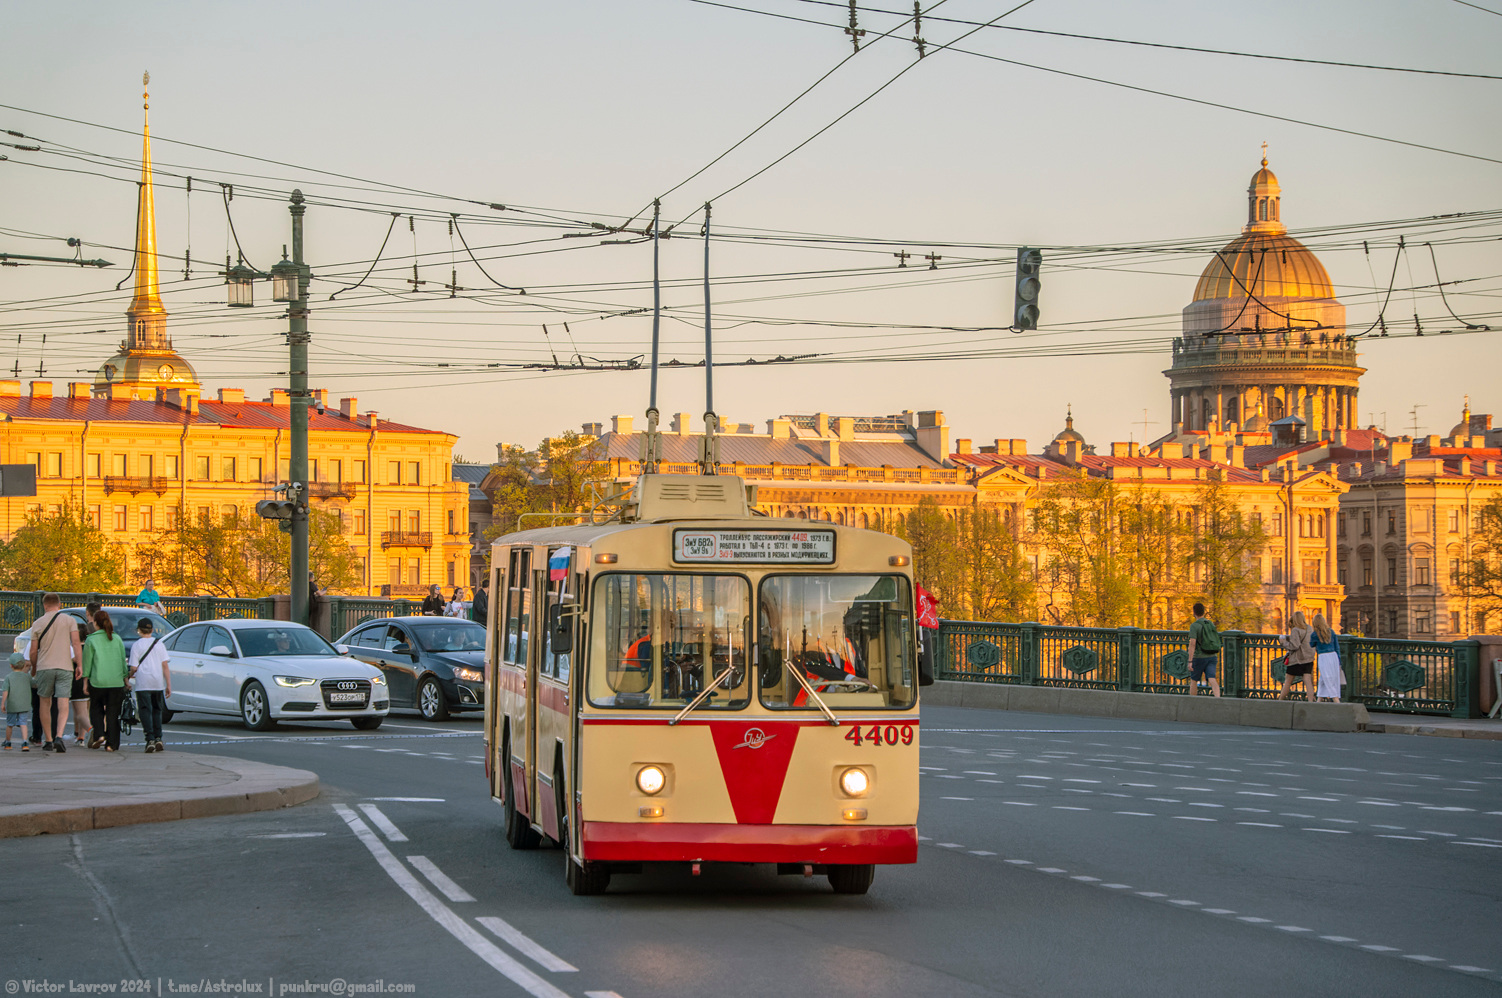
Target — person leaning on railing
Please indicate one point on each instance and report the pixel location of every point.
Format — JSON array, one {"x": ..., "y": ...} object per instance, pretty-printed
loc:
[
  {"x": 1299, "y": 643},
  {"x": 150, "y": 599}
]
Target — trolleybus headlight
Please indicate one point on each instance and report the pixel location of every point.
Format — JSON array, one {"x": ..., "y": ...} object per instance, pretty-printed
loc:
[
  {"x": 855, "y": 782},
  {"x": 650, "y": 780}
]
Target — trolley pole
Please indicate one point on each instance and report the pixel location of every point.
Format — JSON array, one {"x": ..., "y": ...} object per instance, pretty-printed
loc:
[{"x": 297, "y": 339}]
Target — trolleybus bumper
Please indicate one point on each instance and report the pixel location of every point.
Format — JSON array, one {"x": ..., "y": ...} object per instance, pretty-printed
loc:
[{"x": 640, "y": 842}]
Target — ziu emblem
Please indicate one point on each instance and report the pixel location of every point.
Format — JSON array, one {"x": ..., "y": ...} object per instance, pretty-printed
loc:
[{"x": 755, "y": 738}]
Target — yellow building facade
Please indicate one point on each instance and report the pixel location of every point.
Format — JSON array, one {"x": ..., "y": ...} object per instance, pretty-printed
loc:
[{"x": 142, "y": 445}]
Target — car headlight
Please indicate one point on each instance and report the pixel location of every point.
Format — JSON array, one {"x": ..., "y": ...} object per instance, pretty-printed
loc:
[
  {"x": 650, "y": 780},
  {"x": 292, "y": 681},
  {"x": 469, "y": 675},
  {"x": 379, "y": 679},
  {"x": 855, "y": 782}
]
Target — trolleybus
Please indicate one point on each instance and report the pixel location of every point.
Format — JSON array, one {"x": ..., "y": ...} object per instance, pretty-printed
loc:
[{"x": 694, "y": 683}]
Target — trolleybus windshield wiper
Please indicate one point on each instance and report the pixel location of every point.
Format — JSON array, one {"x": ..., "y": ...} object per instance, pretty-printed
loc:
[
  {"x": 702, "y": 694},
  {"x": 797, "y": 672}
]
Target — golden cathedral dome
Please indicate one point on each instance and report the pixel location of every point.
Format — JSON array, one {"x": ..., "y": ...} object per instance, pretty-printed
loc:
[{"x": 1267, "y": 265}]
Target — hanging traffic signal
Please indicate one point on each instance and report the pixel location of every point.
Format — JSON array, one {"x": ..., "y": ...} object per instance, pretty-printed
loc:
[{"x": 1025, "y": 311}]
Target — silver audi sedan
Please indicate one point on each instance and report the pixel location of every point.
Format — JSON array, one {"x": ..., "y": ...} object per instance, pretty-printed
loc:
[{"x": 268, "y": 671}]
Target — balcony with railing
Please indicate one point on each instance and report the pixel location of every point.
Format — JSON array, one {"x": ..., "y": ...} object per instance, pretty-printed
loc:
[
  {"x": 136, "y": 484},
  {"x": 406, "y": 539}
]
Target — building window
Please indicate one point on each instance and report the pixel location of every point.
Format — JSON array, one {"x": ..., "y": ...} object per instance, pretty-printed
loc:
[
  {"x": 1366, "y": 524},
  {"x": 1277, "y": 571},
  {"x": 1366, "y": 571},
  {"x": 1340, "y": 527},
  {"x": 336, "y": 472},
  {"x": 1481, "y": 622},
  {"x": 96, "y": 517},
  {"x": 393, "y": 472},
  {"x": 451, "y": 521},
  {"x": 414, "y": 520},
  {"x": 253, "y": 468},
  {"x": 201, "y": 468},
  {"x": 55, "y": 464},
  {"x": 169, "y": 465},
  {"x": 1392, "y": 623},
  {"x": 1392, "y": 522},
  {"x": 228, "y": 467},
  {"x": 1454, "y": 521},
  {"x": 1454, "y": 571},
  {"x": 118, "y": 465},
  {"x": 91, "y": 465},
  {"x": 122, "y": 517},
  {"x": 171, "y": 517},
  {"x": 145, "y": 464},
  {"x": 414, "y": 571},
  {"x": 1392, "y": 571},
  {"x": 1420, "y": 521},
  {"x": 1344, "y": 577},
  {"x": 34, "y": 458},
  {"x": 394, "y": 521},
  {"x": 203, "y": 516},
  {"x": 358, "y": 474},
  {"x": 147, "y": 520},
  {"x": 1421, "y": 571},
  {"x": 394, "y": 571},
  {"x": 1277, "y": 524},
  {"x": 414, "y": 472},
  {"x": 228, "y": 513},
  {"x": 1312, "y": 571},
  {"x": 313, "y": 470},
  {"x": 360, "y": 522},
  {"x": 451, "y": 573},
  {"x": 1454, "y": 621},
  {"x": 1421, "y": 622},
  {"x": 360, "y": 567}
]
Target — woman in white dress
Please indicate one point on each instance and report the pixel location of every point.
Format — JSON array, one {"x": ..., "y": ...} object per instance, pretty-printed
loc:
[{"x": 1327, "y": 660}]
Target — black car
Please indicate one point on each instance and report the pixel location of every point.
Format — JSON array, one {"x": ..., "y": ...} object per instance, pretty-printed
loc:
[{"x": 435, "y": 664}]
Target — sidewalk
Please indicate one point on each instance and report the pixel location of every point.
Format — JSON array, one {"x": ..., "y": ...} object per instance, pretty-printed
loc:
[
  {"x": 1444, "y": 727},
  {"x": 46, "y": 793}
]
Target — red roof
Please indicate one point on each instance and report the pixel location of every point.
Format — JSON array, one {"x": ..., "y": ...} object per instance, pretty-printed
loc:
[{"x": 261, "y": 415}]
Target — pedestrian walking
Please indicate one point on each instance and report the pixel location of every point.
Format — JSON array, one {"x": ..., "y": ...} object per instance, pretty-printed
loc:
[
  {"x": 15, "y": 699},
  {"x": 455, "y": 607},
  {"x": 79, "y": 698},
  {"x": 1204, "y": 649},
  {"x": 480, "y": 608},
  {"x": 432, "y": 604},
  {"x": 105, "y": 672},
  {"x": 56, "y": 653},
  {"x": 1299, "y": 644},
  {"x": 153, "y": 682},
  {"x": 1330, "y": 675}
]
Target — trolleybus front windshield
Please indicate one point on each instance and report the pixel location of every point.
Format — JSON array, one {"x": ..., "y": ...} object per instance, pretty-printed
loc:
[
  {"x": 849, "y": 636},
  {"x": 660, "y": 639}
]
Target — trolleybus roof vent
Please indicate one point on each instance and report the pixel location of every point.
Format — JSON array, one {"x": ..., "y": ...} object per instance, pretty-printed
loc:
[{"x": 691, "y": 497}]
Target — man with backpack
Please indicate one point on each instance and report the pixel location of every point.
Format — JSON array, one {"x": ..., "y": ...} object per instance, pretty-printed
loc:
[
  {"x": 56, "y": 655},
  {"x": 1204, "y": 647}
]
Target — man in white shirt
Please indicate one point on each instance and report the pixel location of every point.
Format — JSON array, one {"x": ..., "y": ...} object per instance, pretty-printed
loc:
[{"x": 153, "y": 682}]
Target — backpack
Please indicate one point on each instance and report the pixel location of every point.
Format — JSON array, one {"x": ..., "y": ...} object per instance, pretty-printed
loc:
[{"x": 1209, "y": 638}]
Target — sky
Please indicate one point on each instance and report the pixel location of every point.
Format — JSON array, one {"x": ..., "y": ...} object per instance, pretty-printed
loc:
[{"x": 572, "y": 113}]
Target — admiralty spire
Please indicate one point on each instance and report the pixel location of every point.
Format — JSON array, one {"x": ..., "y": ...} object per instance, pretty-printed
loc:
[{"x": 146, "y": 361}]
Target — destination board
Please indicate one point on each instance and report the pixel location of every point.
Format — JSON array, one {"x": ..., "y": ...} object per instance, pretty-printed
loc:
[{"x": 759, "y": 547}]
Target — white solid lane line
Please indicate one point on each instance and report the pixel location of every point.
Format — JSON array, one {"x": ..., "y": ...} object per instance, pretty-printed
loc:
[
  {"x": 439, "y": 879},
  {"x": 392, "y": 833},
  {"x": 412, "y": 800},
  {"x": 439, "y": 912},
  {"x": 523, "y": 944}
]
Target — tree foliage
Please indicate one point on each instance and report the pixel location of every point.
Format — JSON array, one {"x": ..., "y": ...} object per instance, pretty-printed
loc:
[
  {"x": 1085, "y": 572},
  {"x": 243, "y": 555},
  {"x": 62, "y": 551},
  {"x": 566, "y": 474},
  {"x": 1223, "y": 558},
  {"x": 1481, "y": 573},
  {"x": 969, "y": 559}
]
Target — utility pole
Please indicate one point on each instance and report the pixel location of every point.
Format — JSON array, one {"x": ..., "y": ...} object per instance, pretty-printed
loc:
[{"x": 297, "y": 338}]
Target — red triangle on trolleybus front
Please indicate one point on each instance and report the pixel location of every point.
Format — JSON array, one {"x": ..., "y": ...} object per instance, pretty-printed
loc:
[{"x": 754, "y": 760}]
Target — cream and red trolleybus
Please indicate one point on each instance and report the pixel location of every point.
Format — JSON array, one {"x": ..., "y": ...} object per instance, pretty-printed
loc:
[{"x": 694, "y": 683}]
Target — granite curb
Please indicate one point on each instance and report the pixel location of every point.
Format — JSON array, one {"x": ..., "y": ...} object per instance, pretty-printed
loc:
[{"x": 44, "y": 793}]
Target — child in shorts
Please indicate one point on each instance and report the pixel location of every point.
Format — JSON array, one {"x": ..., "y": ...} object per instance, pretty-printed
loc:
[{"x": 15, "y": 699}]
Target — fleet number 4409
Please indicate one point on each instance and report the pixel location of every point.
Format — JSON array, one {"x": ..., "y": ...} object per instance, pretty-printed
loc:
[{"x": 880, "y": 734}]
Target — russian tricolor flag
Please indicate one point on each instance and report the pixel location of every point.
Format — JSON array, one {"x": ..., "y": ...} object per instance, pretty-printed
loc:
[{"x": 558, "y": 564}]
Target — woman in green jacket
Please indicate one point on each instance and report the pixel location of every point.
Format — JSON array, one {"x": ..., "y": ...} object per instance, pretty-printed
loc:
[{"x": 104, "y": 672}]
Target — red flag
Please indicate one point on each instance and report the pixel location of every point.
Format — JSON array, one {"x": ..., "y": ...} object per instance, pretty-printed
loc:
[{"x": 928, "y": 609}]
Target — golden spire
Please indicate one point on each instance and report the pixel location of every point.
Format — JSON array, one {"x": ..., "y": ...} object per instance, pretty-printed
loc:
[
  {"x": 148, "y": 289},
  {"x": 1264, "y": 155}
]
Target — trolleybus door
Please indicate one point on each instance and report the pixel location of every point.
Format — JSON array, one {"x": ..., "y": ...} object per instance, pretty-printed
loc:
[{"x": 536, "y": 647}]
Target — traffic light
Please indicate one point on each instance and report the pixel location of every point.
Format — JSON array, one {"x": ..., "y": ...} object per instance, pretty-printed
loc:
[
  {"x": 1025, "y": 313},
  {"x": 278, "y": 509}
]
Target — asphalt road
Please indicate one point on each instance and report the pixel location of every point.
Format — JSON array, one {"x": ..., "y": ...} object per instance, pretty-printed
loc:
[{"x": 1061, "y": 856}]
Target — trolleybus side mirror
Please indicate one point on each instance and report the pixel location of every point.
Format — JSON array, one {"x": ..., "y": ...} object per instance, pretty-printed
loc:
[{"x": 560, "y": 635}]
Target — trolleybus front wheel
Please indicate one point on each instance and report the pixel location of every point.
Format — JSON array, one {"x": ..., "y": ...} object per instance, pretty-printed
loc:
[
  {"x": 590, "y": 878},
  {"x": 852, "y": 878}
]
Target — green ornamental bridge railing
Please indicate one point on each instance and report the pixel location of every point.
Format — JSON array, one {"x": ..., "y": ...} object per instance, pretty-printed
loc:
[{"x": 1424, "y": 677}]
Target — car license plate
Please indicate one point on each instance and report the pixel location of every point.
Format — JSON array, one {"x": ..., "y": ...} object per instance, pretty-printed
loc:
[{"x": 338, "y": 697}]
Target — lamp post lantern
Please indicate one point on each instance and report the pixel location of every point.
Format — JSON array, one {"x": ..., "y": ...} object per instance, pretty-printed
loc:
[{"x": 240, "y": 280}]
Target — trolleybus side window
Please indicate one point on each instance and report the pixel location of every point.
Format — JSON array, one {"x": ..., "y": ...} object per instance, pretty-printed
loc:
[
  {"x": 518, "y": 605},
  {"x": 553, "y": 663},
  {"x": 849, "y": 637},
  {"x": 660, "y": 639}
]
